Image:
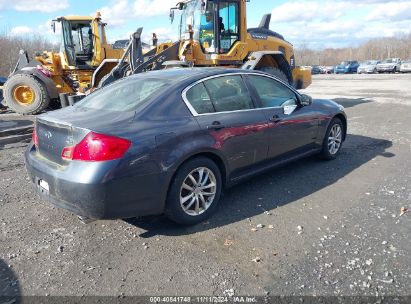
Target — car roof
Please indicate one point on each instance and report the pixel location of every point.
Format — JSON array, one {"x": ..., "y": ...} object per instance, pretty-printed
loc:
[{"x": 181, "y": 74}]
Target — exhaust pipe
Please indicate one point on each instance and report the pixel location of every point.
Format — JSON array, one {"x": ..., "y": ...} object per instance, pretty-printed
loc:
[{"x": 85, "y": 220}]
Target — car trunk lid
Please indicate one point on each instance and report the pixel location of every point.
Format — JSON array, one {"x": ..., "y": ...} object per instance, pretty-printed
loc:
[
  {"x": 53, "y": 136},
  {"x": 67, "y": 127}
]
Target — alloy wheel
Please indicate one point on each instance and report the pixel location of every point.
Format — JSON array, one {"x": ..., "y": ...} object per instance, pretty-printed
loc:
[
  {"x": 334, "y": 139},
  {"x": 198, "y": 191}
]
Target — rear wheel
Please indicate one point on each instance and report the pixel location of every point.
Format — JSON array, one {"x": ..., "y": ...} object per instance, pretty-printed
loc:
[
  {"x": 194, "y": 192},
  {"x": 25, "y": 94},
  {"x": 333, "y": 140}
]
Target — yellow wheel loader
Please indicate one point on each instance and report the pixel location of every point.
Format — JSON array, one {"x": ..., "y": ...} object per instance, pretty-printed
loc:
[
  {"x": 84, "y": 57},
  {"x": 214, "y": 33}
]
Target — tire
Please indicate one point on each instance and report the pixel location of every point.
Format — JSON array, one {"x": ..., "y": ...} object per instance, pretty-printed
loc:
[
  {"x": 40, "y": 100},
  {"x": 328, "y": 153},
  {"x": 192, "y": 215},
  {"x": 275, "y": 72}
]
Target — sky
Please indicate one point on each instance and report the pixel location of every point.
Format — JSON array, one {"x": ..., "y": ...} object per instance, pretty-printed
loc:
[{"x": 314, "y": 23}]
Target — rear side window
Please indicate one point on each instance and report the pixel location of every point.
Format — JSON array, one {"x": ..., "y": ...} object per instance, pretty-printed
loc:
[
  {"x": 272, "y": 93},
  {"x": 124, "y": 95},
  {"x": 229, "y": 93},
  {"x": 221, "y": 94}
]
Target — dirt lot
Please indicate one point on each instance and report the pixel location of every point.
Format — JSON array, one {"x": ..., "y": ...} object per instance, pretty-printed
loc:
[{"x": 336, "y": 227}]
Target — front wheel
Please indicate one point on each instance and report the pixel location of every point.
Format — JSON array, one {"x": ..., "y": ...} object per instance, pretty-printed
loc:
[
  {"x": 194, "y": 192},
  {"x": 333, "y": 140}
]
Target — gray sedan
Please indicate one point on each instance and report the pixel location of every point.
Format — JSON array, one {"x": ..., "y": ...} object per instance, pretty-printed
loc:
[{"x": 170, "y": 141}]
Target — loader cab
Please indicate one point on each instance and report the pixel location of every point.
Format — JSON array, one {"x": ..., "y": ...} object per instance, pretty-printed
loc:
[
  {"x": 78, "y": 41},
  {"x": 214, "y": 23}
]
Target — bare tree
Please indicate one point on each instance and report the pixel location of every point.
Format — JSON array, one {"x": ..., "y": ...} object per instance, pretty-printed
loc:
[
  {"x": 11, "y": 45},
  {"x": 378, "y": 49}
]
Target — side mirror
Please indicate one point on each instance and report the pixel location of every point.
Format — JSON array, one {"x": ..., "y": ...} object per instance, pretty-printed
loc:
[
  {"x": 305, "y": 100},
  {"x": 53, "y": 26},
  {"x": 172, "y": 15}
]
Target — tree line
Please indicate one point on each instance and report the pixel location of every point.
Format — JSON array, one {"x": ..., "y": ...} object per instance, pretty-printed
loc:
[
  {"x": 375, "y": 49},
  {"x": 378, "y": 49},
  {"x": 11, "y": 45}
]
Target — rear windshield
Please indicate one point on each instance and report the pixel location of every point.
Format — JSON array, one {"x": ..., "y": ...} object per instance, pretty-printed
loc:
[{"x": 124, "y": 95}]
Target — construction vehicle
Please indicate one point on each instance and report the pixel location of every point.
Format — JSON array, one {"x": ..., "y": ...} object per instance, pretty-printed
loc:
[
  {"x": 84, "y": 57},
  {"x": 214, "y": 33}
]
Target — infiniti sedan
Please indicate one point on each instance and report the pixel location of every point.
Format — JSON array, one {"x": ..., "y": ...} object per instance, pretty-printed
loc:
[{"x": 170, "y": 141}]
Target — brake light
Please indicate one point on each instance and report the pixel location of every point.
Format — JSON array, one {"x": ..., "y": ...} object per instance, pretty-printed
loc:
[
  {"x": 97, "y": 147},
  {"x": 35, "y": 138}
]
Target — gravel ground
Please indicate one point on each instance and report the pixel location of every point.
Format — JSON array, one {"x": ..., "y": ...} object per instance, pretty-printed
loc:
[{"x": 310, "y": 228}]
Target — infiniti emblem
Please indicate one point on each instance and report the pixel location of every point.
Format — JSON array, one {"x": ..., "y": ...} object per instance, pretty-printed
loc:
[{"x": 48, "y": 134}]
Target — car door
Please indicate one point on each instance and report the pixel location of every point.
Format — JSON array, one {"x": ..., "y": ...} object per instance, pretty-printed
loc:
[
  {"x": 226, "y": 113},
  {"x": 292, "y": 128}
]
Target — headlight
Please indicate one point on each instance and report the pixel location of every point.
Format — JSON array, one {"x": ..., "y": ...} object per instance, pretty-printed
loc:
[{"x": 347, "y": 67}]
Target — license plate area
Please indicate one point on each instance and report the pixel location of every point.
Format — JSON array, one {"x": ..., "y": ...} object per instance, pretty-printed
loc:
[{"x": 43, "y": 187}]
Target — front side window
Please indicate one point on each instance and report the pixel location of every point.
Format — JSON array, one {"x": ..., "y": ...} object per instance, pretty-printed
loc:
[{"x": 272, "y": 93}]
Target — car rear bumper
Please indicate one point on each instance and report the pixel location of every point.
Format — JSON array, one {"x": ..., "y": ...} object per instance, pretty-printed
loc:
[{"x": 113, "y": 198}]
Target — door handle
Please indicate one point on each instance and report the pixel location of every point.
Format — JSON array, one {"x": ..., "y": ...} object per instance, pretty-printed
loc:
[
  {"x": 276, "y": 118},
  {"x": 216, "y": 125}
]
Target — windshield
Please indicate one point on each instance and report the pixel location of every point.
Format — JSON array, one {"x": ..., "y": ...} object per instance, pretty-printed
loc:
[
  {"x": 77, "y": 40},
  {"x": 388, "y": 61},
  {"x": 345, "y": 63},
  {"x": 407, "y": 61},
  {"x": 219, "y": 19},
  {"x": 190, "y": 16},
  {"x": 124, "y": 95}
]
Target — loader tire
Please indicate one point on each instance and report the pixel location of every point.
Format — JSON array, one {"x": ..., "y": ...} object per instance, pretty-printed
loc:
[
  {"x": 275, "y": 72},
  {"x": 25, "y": 94}
]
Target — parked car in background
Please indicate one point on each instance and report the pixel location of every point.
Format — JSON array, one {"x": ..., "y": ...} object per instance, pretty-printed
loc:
[
  {"x": 390, "y": 65},
  {"x": 406, "y": 66},
  {"x": 347, "y": 67},
  {"x": 328, "y": 70},
  {"x": 2, "y": 82},
  {"x": 169, "y": 141},
  {"x": 368, "y": 67},
  {"x": 315, "y": 70}
]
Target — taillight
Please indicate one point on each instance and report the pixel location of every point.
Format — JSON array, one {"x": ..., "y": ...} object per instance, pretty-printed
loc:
[
  {"x": 35, "y": 138},
  {"x": 97, "y": 147}
]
